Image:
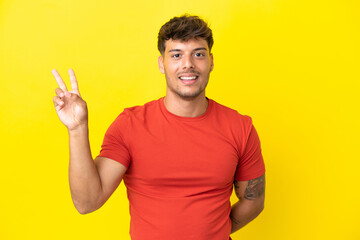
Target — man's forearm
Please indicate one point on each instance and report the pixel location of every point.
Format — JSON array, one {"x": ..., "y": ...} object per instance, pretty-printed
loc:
[
  {"x": 244, "y": 212},
  {"x": 85, "y": 184}
]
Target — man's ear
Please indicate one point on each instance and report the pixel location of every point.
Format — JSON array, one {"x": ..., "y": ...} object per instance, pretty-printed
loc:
[
  {"x": 161, "y": 64},
  {"x": 212, "y": 62}
]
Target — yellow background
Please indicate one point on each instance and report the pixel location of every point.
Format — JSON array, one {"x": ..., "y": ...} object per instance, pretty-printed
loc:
[{"x": 291, "y": 65}]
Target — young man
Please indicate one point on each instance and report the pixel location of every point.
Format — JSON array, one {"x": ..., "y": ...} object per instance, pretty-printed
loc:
[{"x": 179, "y": 155}]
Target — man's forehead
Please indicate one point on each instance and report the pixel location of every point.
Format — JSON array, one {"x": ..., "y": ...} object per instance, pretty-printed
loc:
[{"x": 194, "y": 43}]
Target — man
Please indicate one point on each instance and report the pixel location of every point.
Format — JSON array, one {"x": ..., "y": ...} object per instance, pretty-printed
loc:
[{"x": 179, "y": 155}]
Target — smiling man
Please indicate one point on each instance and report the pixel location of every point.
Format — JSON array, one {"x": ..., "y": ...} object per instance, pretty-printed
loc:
[
  {"x": 179, "y": 156},
  {"x": 187, "y": 64},
  {"x": 191, "y": 63}
]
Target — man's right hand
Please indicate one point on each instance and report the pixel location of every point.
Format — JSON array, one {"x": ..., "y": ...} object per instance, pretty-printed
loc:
[
  {"x": 91, "y": 182},
  {"x": 70, "y": 107}
]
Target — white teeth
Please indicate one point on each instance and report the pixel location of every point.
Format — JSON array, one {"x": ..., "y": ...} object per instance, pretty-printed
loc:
[{"x": 188, "y": 78}]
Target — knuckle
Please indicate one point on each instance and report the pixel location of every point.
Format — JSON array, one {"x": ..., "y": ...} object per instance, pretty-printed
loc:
[
  {"x": 58, "y": 91},
  {"x": 83, "y": 104}
]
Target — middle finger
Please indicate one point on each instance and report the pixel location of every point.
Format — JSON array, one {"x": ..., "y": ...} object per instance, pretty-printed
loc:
[{"x": 59, "y": 80}]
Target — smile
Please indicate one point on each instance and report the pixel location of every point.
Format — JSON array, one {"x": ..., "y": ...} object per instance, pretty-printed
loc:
[{"x": 188, "y": 78}]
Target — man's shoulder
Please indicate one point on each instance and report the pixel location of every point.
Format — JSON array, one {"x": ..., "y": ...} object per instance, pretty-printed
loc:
[
  {"x": 230, "y": 113},
  {"x": 138, "y": 111},
  {"x": 141, "y": 108}
]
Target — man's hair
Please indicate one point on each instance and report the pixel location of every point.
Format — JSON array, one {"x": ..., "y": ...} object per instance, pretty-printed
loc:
[{"x": 184, "y": 28}]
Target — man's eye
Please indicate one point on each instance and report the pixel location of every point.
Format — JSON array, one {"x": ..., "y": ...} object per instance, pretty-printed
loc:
[
  {"x": 199, "y": 54},
  {"x": 176, "y": 55}
]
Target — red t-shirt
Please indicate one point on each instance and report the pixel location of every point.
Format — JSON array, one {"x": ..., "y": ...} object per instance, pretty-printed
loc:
[{"x": 181, "y": 170}]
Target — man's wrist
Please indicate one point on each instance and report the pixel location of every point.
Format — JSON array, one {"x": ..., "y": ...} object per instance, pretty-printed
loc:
[{"x": 79, "y": 130}]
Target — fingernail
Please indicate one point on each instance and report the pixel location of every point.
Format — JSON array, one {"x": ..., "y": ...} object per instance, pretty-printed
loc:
[{"x": 61, "y": 94}]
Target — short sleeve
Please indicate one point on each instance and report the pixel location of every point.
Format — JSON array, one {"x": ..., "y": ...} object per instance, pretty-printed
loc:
[
  {"x": 251, "y": 164},
  {"x": 114, "y": 143}
]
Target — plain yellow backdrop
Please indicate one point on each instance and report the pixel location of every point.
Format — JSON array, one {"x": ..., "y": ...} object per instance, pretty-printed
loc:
[{"x": 292, "y": 65}]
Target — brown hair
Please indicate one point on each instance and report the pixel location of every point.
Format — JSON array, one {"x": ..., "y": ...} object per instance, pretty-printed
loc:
[{"x": 184, "y": 28}]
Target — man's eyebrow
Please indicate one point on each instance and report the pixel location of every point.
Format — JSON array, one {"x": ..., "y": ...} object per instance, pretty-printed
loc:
[
  {"x": 174, "y": 50},
  {"x": 201, "y": 48},
  {"x": 196, "y": 49}
]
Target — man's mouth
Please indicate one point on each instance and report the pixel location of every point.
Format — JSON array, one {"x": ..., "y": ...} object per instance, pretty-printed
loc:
[{"x": 188, "y": 80}]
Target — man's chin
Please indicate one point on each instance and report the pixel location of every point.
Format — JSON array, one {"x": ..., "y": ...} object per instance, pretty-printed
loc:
[{"x": 189, "y": 96}]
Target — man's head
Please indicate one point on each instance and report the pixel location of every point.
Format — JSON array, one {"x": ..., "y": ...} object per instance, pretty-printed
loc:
[
  {"x": 185, "y": 45},
  {"x": 184, "y": 28}
]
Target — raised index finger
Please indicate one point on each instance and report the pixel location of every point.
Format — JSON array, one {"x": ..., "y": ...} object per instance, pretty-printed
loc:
[
  {"x": 59, "y": 80},
  {"x": 73, "y": 81}
]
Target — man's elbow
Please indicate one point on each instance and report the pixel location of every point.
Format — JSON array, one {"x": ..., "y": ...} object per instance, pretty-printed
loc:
[
  {"x": 85, "y": 208},
  {"x": 260, "y": 208},
  {"x": 260, "y": 203},
  {"x": 83, "y": 211}
]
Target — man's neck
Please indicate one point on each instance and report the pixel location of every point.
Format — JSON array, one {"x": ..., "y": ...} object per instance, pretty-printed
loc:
[{"x": 193, "y": 107}]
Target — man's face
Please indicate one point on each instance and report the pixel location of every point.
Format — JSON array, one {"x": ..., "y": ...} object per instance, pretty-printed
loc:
[{"x": 187, "y": 66}]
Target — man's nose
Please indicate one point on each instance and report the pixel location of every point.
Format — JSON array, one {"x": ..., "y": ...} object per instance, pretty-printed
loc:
[{"x": 187, "y": 62}]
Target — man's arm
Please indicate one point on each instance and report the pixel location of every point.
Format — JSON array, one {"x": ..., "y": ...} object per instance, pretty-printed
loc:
[
  {"x": 251, "y": 196},
  {"x": 91, "y": 182}
]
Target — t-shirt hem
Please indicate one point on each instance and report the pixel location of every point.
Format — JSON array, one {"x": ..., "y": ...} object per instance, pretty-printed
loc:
[
  {"x": 250, "y": 177},
  {"x": 116, "y": 159}
]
